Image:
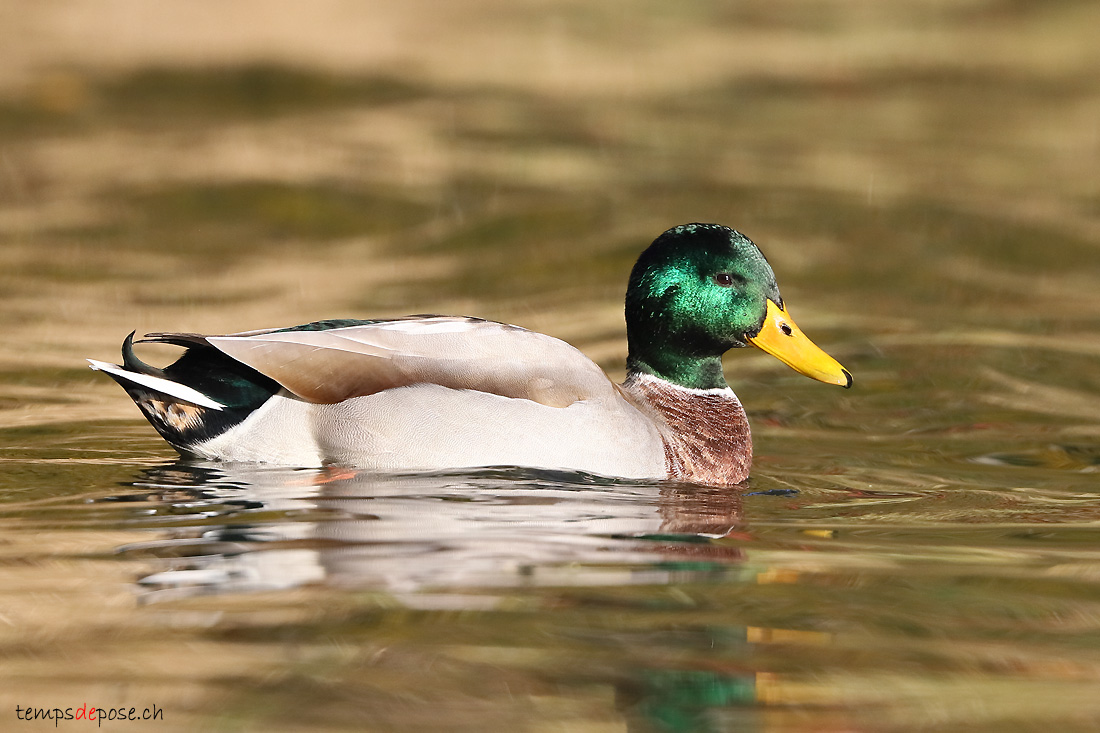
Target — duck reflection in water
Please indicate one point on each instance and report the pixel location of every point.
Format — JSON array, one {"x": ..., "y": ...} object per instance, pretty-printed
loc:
[
  {"x": 461, "y": 541},
  {"x": 407, "y": 534}
]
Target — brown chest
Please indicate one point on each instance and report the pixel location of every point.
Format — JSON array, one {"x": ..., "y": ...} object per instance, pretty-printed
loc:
[{"x": 705, "y": 433}]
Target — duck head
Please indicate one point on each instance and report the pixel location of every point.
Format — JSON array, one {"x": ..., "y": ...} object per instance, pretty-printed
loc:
[{"x": 702, "y": 289}]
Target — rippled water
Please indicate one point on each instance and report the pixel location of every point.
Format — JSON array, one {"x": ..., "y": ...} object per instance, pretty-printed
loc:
[
  {"x": 863, "y": 587},
  {"x": 917, "y": 553}
]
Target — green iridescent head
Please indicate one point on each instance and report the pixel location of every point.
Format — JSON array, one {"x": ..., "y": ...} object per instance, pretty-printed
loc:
[{"x": 700, "y": 290}]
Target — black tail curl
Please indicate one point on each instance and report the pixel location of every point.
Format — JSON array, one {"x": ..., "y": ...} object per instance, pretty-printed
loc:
[{"x": 236, "y": 386}]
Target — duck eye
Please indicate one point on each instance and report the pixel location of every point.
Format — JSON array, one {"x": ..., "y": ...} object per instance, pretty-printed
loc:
[{"x": 724, "y": 279}]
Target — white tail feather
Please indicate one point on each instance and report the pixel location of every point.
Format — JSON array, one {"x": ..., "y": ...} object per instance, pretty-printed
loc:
[{"x": 157, "y": 384}]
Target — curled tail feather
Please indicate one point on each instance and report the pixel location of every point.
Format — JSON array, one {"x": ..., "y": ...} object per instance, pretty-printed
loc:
[{"x": 199, "y": 396}]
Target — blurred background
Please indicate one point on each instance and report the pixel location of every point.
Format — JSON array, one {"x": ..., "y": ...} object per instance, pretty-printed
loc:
[{"x": 923, "y": 175}]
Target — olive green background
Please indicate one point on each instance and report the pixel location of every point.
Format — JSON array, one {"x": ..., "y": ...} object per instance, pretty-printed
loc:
[{"x": 924, "y": 177}]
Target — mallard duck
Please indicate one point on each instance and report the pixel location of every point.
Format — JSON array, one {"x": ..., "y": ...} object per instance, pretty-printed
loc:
[{"x": 441, "y": 392}]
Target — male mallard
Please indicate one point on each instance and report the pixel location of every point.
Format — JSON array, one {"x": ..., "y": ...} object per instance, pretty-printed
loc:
[{"x": 440, "y": 392}]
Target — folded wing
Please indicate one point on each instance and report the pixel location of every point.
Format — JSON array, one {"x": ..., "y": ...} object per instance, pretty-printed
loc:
[{"x": 328, "y": 366}]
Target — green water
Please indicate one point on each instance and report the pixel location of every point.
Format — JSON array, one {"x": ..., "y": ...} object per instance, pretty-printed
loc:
[{"x": 916, "y": 553}]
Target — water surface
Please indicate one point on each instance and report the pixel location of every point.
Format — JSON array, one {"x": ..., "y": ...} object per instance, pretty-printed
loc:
[{"x": 917, "y": 553}]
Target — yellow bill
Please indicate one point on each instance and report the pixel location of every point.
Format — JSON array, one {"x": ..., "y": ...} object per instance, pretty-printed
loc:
[{"x": 780, "y": 337}]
